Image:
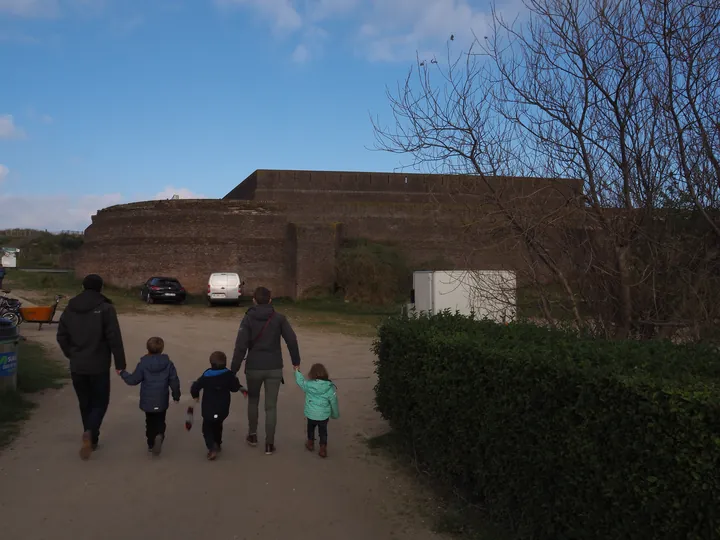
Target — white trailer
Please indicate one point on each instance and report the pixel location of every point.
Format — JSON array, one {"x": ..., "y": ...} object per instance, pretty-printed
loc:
[
  {"x": 489, "y": 294},
  {"x": 9, "y": 256}
]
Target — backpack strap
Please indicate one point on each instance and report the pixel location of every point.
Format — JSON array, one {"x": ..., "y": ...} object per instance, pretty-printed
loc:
[{"x": 267, "y": 323}]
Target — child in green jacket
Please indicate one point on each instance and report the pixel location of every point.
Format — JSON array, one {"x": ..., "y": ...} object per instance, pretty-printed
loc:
[{"x": 321, "y": 404}]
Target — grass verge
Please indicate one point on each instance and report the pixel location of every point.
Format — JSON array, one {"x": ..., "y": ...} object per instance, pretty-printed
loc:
[
  {"x": 37, "y": 371},
  {"x": 330, "y": 314},
  {"x": 449, "y": 513}
]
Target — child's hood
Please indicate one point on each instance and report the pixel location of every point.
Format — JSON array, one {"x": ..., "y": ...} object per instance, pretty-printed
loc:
[
  {"x": 318, "y": 387},
  {"x": 215, "y": 372},
  {"x": 156, "y": 363}
]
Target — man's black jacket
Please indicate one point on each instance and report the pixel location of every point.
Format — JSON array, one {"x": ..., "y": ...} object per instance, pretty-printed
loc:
[{"x": 89, "y": 333}]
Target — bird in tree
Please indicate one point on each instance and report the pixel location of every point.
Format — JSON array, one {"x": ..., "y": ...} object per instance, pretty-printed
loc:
[{"x": 452, "y": 37}]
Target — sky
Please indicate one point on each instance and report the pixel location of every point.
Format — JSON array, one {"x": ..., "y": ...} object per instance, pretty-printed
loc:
[{"x": 110, "y": 101}]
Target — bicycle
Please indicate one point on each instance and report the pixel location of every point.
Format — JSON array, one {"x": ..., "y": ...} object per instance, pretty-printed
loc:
[{"x": 10, "y": 309}]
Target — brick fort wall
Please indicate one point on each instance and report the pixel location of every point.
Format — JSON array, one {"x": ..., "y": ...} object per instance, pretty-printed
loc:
[{"x": 282, "y": 229}]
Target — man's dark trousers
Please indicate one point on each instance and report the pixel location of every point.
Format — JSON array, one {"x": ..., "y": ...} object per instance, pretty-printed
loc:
[{"x": 93, "y": 393}]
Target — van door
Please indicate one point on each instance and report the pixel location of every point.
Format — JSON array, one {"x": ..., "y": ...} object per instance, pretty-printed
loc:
[
  {"x": 233, "y": 286},
  {"x": 218, "y": 286}
]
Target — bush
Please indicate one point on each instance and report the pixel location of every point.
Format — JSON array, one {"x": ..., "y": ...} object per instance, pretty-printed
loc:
[
  {"x": 563, "y": 437},
  {"x": 373, "y": 273}
]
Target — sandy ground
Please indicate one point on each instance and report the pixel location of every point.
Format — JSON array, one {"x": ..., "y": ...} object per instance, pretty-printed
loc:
[{"x": 47, "y": 492}]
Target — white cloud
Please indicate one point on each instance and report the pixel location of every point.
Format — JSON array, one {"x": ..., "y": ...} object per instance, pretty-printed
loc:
[
  {"x": 301, "y": 54},
  {"x": 53, "y": 212},
  {"x": 39, "y": 117},
  {"x": 282, "y": 13},
  {"x": 322, "y": 9},
  {"x": 183, "y": 193},
  {"x": 8, "y": 129},
  {"x": 30, "y": 8},
  {"x": 383, "y": 30},
  {"x": 4, "y": 171},
  {"x": 397, "y": 30},
  {"x": 66, "y": 212}
]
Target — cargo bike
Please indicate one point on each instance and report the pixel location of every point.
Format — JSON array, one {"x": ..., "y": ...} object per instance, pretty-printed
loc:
[{"x": 41, "y": 315}]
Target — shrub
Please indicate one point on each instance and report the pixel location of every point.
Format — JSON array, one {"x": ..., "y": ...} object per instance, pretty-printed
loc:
[
  {"x": 373, "y": 273},
  {"x": 561, "y": 436}
]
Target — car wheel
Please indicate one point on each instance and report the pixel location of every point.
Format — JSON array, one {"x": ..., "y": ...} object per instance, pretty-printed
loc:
[{"x": 149, "y": 299}]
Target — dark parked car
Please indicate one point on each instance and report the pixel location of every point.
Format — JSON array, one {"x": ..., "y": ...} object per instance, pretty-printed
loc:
[{"x": 163, "y": 289}]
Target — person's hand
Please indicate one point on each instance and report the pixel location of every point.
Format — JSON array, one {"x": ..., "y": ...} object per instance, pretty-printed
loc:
[
  {"x": 176, "y": 401},
  {"x": 296, "y": 368},
  {"x": 119, "y": 371},
  {"x": 244, "y": 393}
]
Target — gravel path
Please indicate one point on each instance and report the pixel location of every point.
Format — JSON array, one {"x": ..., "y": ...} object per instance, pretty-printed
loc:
[{"x": 47, "y": 492}]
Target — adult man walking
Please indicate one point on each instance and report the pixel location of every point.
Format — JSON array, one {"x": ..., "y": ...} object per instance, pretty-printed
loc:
[
  {"x": 259, "y": 336},
  {"x": 88, "y": 333}
]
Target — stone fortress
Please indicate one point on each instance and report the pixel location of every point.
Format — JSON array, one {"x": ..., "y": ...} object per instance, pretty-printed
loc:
[{"x": 282, "y": 229}]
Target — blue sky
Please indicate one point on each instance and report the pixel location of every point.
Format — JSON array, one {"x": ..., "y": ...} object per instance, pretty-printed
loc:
[{"x": 110, "y": 101}]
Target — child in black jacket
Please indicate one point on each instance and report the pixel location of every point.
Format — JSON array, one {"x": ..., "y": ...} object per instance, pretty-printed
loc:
[{"x": 216, "y": 385}]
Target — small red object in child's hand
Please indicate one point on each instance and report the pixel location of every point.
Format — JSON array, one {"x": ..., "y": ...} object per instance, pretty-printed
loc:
[
  {"x": 189, "y": 418},
  {"x": 244, "y": 393}
]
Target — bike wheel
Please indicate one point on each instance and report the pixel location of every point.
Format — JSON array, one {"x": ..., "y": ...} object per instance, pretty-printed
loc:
[{"x": 12, "y": 317}]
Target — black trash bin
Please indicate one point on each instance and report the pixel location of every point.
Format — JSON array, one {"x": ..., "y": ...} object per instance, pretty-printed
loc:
[{"x": 9, "y": 339}]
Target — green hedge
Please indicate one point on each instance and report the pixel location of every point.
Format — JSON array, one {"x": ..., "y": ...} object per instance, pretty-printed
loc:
[{"x": 559, "y": 436}]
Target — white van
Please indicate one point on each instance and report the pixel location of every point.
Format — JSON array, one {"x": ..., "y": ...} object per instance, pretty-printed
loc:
[{"x": 224, "y": 287}]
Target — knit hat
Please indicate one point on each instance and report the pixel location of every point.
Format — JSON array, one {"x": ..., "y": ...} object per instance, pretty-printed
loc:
[{"x": 93, "y": 282}]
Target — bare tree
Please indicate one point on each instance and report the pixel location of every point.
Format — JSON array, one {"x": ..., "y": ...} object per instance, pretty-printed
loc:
[{"x": 622, "y": 96}]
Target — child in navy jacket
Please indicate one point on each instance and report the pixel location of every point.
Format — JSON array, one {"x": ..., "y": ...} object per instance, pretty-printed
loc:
[
  {"x": 216, "y": 385},
  {"x": 155, "y": 373}
]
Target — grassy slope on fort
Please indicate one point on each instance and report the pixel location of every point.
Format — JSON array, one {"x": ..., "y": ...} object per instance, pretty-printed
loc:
[
  {"x": 40, "y": 249},
  {"x": 37, "y": 371}
]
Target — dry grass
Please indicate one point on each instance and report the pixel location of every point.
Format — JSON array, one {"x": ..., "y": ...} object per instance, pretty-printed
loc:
[{"x": 324, "y": 314}]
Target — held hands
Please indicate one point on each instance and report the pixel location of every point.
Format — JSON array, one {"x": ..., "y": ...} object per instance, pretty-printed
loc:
[
  {"x": 244, "y": 393},
  {"x": 119, "y": 371}
]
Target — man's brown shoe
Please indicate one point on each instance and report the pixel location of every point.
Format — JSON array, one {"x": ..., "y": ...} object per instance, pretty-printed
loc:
[{"x": 86, "y": 448}]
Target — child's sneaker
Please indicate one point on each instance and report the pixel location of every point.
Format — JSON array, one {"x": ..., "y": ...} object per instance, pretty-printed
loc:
[
  {"x": 310, "y": 445},
  {"x": 323, "y": 451},
  {"x": 252, "y": 439},
  {"x": 269, "y": 449},
  {"x": 157, "y": 445}
]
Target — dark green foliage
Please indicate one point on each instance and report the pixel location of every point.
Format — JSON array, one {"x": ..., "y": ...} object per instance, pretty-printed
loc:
[
  {"x": 560, "y": 436},
  {"x": 43, "y": 249},
  {"x": 378, "y": 274},
  {"x": 371, "y": 273}
]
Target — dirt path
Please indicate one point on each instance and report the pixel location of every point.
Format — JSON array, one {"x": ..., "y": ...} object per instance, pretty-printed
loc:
[{"x": 46, "y": 492}]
